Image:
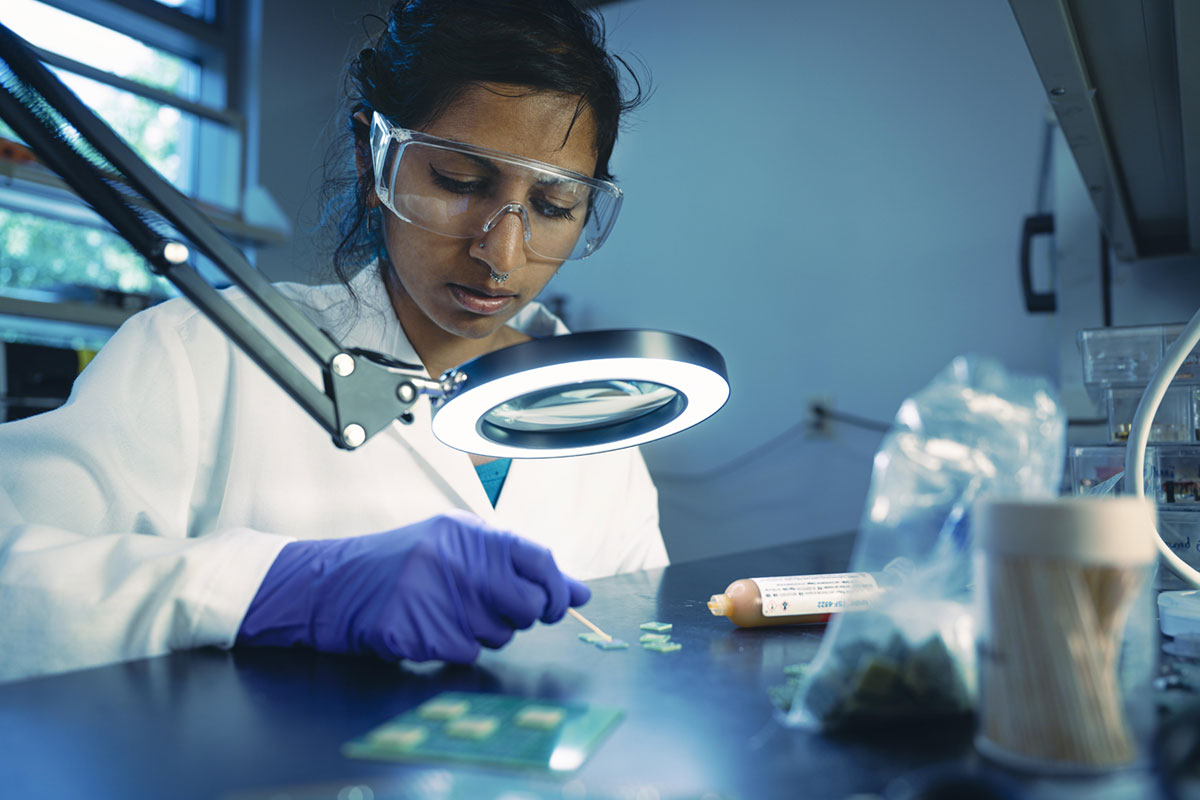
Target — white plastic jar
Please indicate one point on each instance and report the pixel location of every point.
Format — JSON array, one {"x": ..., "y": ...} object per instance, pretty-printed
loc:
[{"x": 1067, "y": 640}]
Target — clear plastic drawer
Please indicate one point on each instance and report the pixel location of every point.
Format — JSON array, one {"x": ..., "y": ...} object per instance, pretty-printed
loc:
[{"x": 1128, "y": 356}]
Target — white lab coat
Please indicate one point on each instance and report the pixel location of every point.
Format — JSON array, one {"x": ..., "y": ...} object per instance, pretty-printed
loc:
[{"x": 142, "y": 515}]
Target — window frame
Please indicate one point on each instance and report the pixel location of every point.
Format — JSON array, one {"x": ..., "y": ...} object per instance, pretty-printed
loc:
[{"x": 220, "y": 41}]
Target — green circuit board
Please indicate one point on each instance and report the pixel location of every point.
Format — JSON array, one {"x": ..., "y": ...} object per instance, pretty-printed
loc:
[{"x": 492, "y": 730}]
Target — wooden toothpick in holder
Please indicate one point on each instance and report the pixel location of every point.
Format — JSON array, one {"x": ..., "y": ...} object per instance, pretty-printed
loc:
[{"x": 1057, "y": 582}]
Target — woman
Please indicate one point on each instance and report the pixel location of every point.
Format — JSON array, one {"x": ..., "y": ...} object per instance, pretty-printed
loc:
[{"x": 181, "y": 499}]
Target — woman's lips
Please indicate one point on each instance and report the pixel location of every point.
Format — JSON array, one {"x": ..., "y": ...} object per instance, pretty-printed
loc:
[{"x": 479, "y": 302}]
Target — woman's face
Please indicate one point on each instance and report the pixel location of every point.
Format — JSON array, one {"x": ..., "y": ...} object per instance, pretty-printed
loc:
[{"x": 444, "y": 285}]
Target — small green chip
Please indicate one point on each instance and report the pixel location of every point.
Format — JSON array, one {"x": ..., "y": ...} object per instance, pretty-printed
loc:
[
  {"x": 591, "y": 638},
  {"x": 654, "y": 637},
  {"x": 443, "y": 708},
  {"x": 615, "y": 644},
  {"x": 477, "y": 728},
  {"x": 663, "y": 647},
  {"x": 656, "y": 627}
]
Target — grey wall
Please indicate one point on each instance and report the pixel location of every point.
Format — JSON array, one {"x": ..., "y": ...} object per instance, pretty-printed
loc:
[
  {"x": 829, "y": 192},
  {"x": 306, "y": 45}
]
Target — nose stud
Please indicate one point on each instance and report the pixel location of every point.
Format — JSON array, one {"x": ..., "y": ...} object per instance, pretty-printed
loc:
[{"x": 498, "y": 277}]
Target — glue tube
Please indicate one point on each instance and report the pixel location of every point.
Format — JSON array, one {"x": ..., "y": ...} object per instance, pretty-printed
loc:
[{"x": 797, "y": 599}]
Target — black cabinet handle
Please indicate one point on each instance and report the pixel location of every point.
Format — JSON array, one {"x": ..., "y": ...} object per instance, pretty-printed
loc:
[{"x": 1035, "y": 302}]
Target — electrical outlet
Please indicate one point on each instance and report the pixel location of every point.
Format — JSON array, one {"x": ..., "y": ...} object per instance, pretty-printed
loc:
[{"x": 820, "y": 426}]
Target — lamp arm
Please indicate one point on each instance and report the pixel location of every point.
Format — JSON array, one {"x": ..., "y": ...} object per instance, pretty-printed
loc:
[{"x": 363, "y": 392}]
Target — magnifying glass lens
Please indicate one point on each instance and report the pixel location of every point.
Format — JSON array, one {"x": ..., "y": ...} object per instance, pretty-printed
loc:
[
  {"x": 580, "y": 393},
  {"x": 580, "y": 406}
]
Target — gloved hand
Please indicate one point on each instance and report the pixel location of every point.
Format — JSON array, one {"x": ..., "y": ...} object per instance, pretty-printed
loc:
[{"x": 434, "y": 590}]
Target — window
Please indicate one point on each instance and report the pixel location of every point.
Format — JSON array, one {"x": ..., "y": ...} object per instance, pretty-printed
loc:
[
  {"x": 163, "y": 74},
  {"x": 168, "y": 76}
]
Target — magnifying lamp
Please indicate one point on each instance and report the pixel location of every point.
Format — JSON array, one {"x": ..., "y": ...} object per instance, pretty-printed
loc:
[
  {"x": 580, "y": 393},
  {"x": 564, "y": 395}
]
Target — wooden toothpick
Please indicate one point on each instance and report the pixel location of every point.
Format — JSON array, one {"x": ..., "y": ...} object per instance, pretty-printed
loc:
[{"x": 587, "y": 622}]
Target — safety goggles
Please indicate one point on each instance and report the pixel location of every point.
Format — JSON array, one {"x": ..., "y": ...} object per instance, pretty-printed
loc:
[{"x": 464, "y": 191}]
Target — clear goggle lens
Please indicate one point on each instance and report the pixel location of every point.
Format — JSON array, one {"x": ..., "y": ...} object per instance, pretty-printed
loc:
[{"x": 461, "y": 190}]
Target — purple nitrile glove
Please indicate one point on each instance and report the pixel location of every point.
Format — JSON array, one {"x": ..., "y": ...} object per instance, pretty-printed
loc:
[{"x": 437, "y": 589}]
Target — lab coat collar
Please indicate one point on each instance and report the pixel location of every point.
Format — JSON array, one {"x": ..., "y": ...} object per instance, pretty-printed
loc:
[{"x": 372, "y": 324}]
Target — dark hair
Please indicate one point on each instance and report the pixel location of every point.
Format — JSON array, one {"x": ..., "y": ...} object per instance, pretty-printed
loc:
[{"x": 430, "y": 51}]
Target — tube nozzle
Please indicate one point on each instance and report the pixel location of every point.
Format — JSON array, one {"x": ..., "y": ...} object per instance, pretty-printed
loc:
[{"x": 720, "y": 605}]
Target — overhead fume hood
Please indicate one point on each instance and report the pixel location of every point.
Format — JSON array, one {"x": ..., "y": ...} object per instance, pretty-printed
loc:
[{"x": 1123, "y": 78}]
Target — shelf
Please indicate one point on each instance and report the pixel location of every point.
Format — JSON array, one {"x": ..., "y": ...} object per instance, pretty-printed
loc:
[{"x": 33, "y": 188}]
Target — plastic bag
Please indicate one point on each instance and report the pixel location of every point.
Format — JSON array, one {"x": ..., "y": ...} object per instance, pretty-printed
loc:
[{"x": 975, "y": 431}]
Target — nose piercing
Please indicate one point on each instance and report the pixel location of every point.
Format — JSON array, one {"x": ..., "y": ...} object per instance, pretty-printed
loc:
[{"x": 498, "y": 277}]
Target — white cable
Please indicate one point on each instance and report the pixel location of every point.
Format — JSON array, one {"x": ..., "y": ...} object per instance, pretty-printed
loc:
[{"x": 1139, "y": 434}]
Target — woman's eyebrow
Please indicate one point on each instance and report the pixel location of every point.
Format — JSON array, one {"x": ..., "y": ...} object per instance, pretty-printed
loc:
[
  {"x": 486, "y": 163},
  {"x": 490, "y": 165},
  {"x": 554, "y": 180},
  {"x": 493, "y": 169}
]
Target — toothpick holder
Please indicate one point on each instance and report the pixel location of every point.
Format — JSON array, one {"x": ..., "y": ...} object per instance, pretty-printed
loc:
[{"x": 1066, "y": 648}]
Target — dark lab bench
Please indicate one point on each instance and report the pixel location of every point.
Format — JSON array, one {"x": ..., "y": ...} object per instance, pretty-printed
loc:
[{"x": 269, "y": 723}]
